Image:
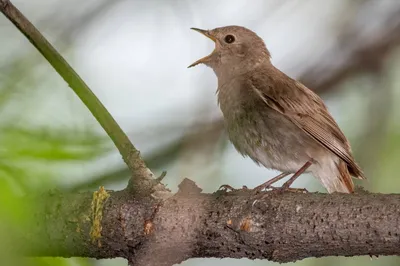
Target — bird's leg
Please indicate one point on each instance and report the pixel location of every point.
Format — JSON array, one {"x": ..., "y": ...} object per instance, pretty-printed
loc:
[
  {"x": 270, "y": 182},
  {"x": 287, "y": 184}
]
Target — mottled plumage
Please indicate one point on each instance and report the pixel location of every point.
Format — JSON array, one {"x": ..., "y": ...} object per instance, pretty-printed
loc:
[{"x": 274, "y": 119}]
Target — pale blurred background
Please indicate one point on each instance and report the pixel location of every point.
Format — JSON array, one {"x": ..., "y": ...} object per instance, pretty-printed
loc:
[{"x": 134, "y": 55}]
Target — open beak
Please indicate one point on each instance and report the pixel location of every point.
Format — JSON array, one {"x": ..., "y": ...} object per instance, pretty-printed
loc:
[{"x": 208, "y": 35}]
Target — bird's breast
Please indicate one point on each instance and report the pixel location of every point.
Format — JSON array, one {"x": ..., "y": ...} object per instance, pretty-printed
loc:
[{"x": 263, "y": 134}]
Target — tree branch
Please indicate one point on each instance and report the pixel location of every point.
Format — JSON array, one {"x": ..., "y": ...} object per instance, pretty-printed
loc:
[
  {"x": 280, "y": 227},
  {"x": 142, "y": 178}
]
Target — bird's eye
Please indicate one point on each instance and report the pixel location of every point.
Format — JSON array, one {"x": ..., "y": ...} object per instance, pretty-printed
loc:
[{"x": 229, "y": 38}]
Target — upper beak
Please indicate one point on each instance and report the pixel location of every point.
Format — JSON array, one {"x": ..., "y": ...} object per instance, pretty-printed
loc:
[{"x": 207, "y": 34}]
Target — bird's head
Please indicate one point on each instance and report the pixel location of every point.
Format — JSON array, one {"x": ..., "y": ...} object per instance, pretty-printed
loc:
[{"x": 236, "y": 49}]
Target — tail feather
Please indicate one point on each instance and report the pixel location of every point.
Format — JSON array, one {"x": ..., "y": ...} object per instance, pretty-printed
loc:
[
  {"x": 356, "y": 171},
  {"x": 335, "y": 175},
  {"x": 345, "y": 177}
]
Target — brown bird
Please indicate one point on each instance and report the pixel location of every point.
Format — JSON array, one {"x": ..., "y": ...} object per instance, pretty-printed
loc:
[{"x": 275, "y": 120}]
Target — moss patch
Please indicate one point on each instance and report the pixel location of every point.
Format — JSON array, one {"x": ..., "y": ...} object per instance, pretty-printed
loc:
[{"x": 99, "y": 198}]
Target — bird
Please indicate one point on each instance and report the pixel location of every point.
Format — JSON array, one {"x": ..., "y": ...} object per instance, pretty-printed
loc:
[{"x": 274, "y": 119}]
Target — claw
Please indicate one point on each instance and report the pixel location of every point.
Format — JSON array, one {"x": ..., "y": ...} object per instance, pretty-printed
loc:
[{"x": 226, "y": 188}]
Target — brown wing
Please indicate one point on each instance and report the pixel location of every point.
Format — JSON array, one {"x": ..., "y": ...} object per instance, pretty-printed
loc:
[{"x": 305, "y": 109}]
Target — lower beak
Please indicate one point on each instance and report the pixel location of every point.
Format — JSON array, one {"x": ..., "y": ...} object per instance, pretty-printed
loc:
[{"x": 208, "y": 35}]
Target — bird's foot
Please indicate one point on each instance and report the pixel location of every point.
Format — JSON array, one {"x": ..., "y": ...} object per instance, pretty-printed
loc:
[
  {"x": 284, "y": 188},
  {"x": 263, "y": 187},
  {"x": 268, "y": 184},
  {"x": 226, "y": 188},
  {"x": 260, "y": 188}
]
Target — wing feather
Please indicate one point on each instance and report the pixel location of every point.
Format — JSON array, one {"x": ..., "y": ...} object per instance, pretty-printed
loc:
[{"x": 305, "y": 109}]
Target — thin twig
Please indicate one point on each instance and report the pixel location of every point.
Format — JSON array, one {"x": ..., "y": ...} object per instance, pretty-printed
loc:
[{"x": 129, "y": 153}]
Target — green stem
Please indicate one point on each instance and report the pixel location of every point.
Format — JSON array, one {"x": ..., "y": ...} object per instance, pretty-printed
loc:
[{"x": 129, "y": 153}]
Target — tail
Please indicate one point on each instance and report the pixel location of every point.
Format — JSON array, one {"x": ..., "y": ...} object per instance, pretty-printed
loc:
[
  {"x": 335, "y": 177},
  {"x": 345, "y": 179}
]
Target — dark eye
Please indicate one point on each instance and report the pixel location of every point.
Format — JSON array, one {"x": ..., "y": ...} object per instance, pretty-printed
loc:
[{"x": 229, "y": 38}]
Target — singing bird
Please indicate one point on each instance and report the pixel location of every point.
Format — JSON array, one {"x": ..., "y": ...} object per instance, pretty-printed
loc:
[{"x": 273, "y": 119}]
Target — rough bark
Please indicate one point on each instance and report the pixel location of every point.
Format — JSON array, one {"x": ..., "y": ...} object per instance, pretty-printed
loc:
[{"x": 280, "y": 227}]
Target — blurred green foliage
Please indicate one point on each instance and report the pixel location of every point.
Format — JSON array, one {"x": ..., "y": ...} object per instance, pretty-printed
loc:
[{"x": 34, "y": 153}]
